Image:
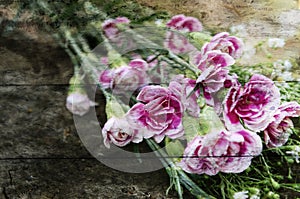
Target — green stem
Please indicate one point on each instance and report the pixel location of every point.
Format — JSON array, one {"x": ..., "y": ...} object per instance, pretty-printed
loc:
[
  {"x": 266, "y": 166},
  {"x": 180, "y": 61},
  {"x": 88, "y": 67},
  {"x": 137, "y": 152},
  {"x": 183, "y": 178},
  {"x": 171, "y": 56},
  {"x": 293, "y": 187}
]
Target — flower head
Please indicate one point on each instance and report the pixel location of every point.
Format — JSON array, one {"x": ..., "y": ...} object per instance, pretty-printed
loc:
[
  {"x": 277, "y": 132},
  {"x": 295, "y": 153},
  {"x": 78, "y": 103},
  {"x": 215, "y": 58},
  {"x": 221, "y": 151},
  {"x": 283, "y": 65},
  {"x": 125, "y": 78},
  {"x": 254, "y": 104},
  {"x": 215, "y": 98},
  {"x": 188, "y": 95},
  {"x": 177, "y": 42},
  {"x": 119, "y": 132},
  {"x": 183, "y": 23},
  {"x": 131, "y": 77},
  {"x": 106, "y": 78},
  {"x": 160, "y": 113},
  {"x": 110, "y": 28},
  {"x": 276, "y": 42},
  {"x": 225, "y": 43}
]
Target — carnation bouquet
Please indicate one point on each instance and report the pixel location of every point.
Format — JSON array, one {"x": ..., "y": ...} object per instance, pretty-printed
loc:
[{"x": 220, "y": 129}]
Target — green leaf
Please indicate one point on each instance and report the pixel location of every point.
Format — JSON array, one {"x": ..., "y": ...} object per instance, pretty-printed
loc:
[
  {"x": 191, "y": 127},
  {"x": 115, "y": 109},
  {"x": 209, "y": 120},
  {"x": 199, "y": 38},
  {"x": 115, "y": 59},
  {"x": 174, "y": 148}
]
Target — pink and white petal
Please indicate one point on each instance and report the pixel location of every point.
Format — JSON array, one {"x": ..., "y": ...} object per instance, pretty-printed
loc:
[
  {"x": 158, "y": 138},
  {"x": 192, "y": 24},
  {"x": 149, "y": 93},
  {"x": 138, "y": 64},
  {"x": 138, "y": 136},
  {"x": 173, "y": 23}
]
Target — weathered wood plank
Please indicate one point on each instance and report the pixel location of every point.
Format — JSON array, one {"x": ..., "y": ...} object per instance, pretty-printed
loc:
[
  {"x": 61, "y": 178},
  {"x": 36, "y": 129},
  {"x": 26, "y": 61},
  {"x": 35, "y": 122}
]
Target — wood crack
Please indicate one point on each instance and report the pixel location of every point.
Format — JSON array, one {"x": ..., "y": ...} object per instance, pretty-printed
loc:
[
  {"x": 10, "y": 177},
  {"x": 4, "y": 193}
]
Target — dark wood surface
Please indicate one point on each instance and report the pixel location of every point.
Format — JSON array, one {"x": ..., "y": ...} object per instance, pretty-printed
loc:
[{"x": 41, "y": 155}]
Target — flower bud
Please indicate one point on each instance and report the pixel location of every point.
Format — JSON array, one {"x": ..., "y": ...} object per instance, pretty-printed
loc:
[
  {"x": 77, "y": 101},
  {"x": 275, "y": 184}
]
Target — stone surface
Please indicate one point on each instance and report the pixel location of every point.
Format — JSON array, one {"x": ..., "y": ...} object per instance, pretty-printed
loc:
[{"x": 261, "y": 19}]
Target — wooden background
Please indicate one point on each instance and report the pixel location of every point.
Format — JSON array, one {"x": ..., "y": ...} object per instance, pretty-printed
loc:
[{"x": 41, "y": 155}]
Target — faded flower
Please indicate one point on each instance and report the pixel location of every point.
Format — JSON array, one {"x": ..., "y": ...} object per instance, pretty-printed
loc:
[
  {"x": 176, "y": 41},
  {"x": 277, "y": 132}
]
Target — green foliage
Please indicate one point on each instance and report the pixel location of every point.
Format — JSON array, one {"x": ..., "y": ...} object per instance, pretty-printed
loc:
[
  {"x": 174, "y": 148},
  {"x": 73, "y": 14},
  {"x": 192, "y": 127},
  {"x": 290, "y": 91},
  {"x": 209, "y": 120},
  {"x": 115, "y": 109},
  {"x": 130, "y": 9},
  {"x": 244, "y": 73},
  {"x": 198, "y": 39}
]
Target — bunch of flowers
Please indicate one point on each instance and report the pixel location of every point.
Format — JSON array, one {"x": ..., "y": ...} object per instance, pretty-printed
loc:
[{"x": 172, "y": 96}]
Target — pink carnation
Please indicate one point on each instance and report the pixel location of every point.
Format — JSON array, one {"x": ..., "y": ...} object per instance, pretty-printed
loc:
[
  {"x": 159, "y": 115},
  {"x": 106, "y": 78},
  {"x": 187, "y": 24},
  {"x": 215, "y": 58},
  {"x": 227, "y": 44},
  {"x": 131, "y": 77},
  {"x": 188, "y": 95},
  {"x": 255, "y": 104},
  {"x": 215, "y": 99},
  {"x": 276, "y": 133},
  {"x": 116, "y": 36},
  {"x": 125, "y": 78},
  {"x": 177, "y": 42},
  {"x": 214, "y": 75},
  {"x": 110, "y": 28},
  {"x": 119, "y": 132},
  {"x": 228, "y": 152}
]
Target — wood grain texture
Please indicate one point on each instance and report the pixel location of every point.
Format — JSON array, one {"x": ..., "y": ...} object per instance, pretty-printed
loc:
[{"x": 41, "y": 155}]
